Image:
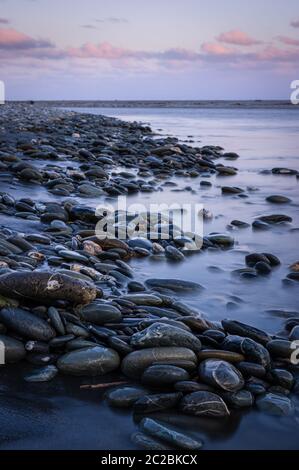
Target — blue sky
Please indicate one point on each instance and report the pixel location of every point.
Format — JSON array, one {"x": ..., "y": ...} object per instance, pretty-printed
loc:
[{"x": 135, "y": 49}]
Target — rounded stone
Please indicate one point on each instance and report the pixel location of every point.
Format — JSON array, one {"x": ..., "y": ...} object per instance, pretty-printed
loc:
[
  {"x": 278, "y": 405},
  {"x": 124, "y": 397},
  {"x": 26, "y": 324},
  {"x": 89, "y": 361},
  {"x": 163, "y": 375},
  {"x": 161, "y": 334},
  {"x": 221, "y": 374},
  {"x": 136, "y": 362},
  {"x": 100, "y": 313},
  {"x": 204, "y": 404}
]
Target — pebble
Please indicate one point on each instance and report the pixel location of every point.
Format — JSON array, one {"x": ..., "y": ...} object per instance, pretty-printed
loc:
[
  {"x": 148, "y": 443},
  {"x": 175, "y": 285},
  {"x": 124, "y": 397},
  {"x": 173, "y": 253},
  {"x": 46, "y": 286},
  {"x": 156, "y": 402},
  {"x": 100, "y": 313},
  {"x": 294, "y": 334},
  {"x": 275, "y": 199},
  {"x": 134, "y": 364},
  {"x": 234, "y": 327},
  {"x": 280, "y": 348},
  {"x": 26, "y": 324},
  {"x": 221, "y": 374},
  {"x": 274, "y": 404},
  {"x": 281, "y": 377},
  {"x": 161, "y": 334},
  {"x": 222, "y": 240},
  {"x": 97, "y": 360},
  {"x": 44, "y": 374},
  {"x": 228, "y": 356},
  {"x": 275, "y": 218},
  {"x": 56, "y": 321},
  {"x": 251, "y": 369},
  {"x": 163, "y": 375},
  {"x": 204, "y": 404},
  {"x": 239, "y": 399},
  {"x": 253, "y": 351},
  {"x": 170, "y": 436}
]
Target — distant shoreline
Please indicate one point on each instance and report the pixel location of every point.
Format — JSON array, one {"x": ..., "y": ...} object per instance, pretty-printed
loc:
[{"x": 218, "y": 104}]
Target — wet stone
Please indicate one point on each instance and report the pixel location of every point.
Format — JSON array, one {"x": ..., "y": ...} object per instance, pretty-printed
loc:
[
  {"x": 26, "y": 324},
  {"x": 263, "y": 268},
  {"x": 228, "y": 356},
  {"x": 166, "y": 434},
  {"x": 134, "y": 286},
  {"x": 173, "y": 284},
  {"x": 239, "y": 399},
  {"x": 276, "y": 199},
  {"x": 124, "y": 397},
  {"x": 136, "y": 362},
  {"x": 157, "y": 402},
  {"x": 221, "y": 374},
  {"x": 100, "y": 313},
  {"x": 163, "y": 375},
  {"x": 56, "y": 321},
  {"x": 294, "y": 334},
  {"x": 253, "y": 351},
  {"x": 242, "y": 329},
  {"x": 280, "y": 348},
  {"x": 274, "y": 404},
  {"x": 46, "y": 286},
  {"x": 251, "y": 369},
  {"x": 89, "y": 361},
  {"x": 281, "y": 377},
  {"x": 204, "y": 404},
  {"x": 44, "y": 374},
  {"x": 161, "y": 334},
  {"x": 148, "y": 443},
  {"x": 173, "y": 253},
  {"x": 256, "y": 386}
]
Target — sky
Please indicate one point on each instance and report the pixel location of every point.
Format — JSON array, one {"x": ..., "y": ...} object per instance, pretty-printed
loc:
[{"x": 146, "y": 50}]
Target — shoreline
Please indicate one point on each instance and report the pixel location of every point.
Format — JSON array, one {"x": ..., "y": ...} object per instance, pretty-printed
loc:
[
  {"x": 122, "y": 319},
  {"x": 172, "y": 104}
]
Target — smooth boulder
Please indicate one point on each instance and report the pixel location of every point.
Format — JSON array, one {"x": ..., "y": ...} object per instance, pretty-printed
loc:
[
  {"x": 221, "y": 374},
  {"x": 46, "y": 287},
  {"x": 93, "y": 361},
  {"x": 26, "y": 324},
  {"x": 136, "y": 362},
  {"x": 204, "y": 404}
]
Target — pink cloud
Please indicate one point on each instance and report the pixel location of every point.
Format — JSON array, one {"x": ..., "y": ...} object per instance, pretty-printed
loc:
[
  {"x": 238, "y": 38},
  {"x": 4, "y": 21},
  {"x": 12, "y": 39},
  {"x": 104, "y": 50},
  {"x": 216, "y": 49},
  {"x": 288, "y": 41},
  {"x": 295, "y": 24},
  {"x": 16, "y": 46},
  {"x": 274, "y": 54}
]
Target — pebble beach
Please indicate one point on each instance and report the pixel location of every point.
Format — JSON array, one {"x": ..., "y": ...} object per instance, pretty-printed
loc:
[{"x": 101, "y": 316}]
